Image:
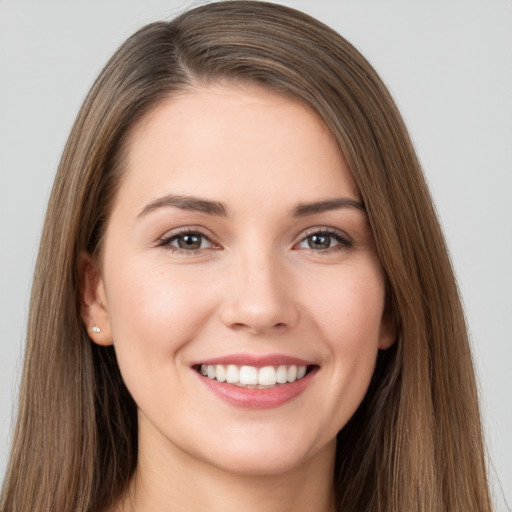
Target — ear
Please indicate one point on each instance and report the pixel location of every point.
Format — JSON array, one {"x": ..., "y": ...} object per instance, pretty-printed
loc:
[
  {"x": 93, "y": 301},
  {"x": 388, "y": 332}
]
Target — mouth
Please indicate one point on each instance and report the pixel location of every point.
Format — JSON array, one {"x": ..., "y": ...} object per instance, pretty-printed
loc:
[
  {"x": 254, "y": 377},
  {"x": 251, "y": 382}
]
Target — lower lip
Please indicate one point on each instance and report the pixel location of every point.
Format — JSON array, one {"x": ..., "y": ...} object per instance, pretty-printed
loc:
[{"x": 253, "y": 398}]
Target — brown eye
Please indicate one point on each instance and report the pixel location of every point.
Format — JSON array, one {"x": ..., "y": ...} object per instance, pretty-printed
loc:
[{"x": 187, "y": 241}]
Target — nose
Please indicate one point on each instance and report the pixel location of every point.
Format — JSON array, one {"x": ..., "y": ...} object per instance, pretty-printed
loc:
[{"x": 259, "y": 298}]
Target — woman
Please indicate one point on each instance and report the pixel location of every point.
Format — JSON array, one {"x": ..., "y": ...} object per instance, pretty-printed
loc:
[{"x": 243, "y": 297}]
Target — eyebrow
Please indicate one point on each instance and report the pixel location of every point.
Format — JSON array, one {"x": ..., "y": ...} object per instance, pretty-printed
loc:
[
  {"x": 304, "y": 209},
  {"x": 195, "y": 204},
  {"x": 219, "y": 209}
]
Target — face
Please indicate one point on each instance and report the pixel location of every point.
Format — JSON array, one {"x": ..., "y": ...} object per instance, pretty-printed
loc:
[{"x": 239, "y": 282}]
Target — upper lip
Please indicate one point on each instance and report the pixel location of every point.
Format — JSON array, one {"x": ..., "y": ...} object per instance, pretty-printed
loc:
[{"x": 255, "y": 360}]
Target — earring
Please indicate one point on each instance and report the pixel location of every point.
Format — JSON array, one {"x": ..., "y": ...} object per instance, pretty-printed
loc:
[{"x": 95, "y": 329}]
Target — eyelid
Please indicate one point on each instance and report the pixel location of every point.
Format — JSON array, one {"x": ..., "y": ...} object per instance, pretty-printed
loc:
[
  {"x": 164, "y": 240},
  {"x": 345, "y": 241}
]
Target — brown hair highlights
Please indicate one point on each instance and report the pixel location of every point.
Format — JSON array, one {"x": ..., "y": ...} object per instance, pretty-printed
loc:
[{"x": 415, "y": 443}]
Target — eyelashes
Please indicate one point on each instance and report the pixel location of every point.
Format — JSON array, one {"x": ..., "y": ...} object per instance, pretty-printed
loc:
[
  {"x": 324, "y": 240},
  {"x": 318, "y": 240},
  {"x": 187, "y": 241}
]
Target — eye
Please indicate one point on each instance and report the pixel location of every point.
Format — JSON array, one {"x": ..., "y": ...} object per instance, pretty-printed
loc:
[
  {"x": 324, "y": 241},
  {"x": 190, "y": 241}
]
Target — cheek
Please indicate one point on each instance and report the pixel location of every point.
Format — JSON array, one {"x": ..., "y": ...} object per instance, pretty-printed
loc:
[
  {"x": 154, "y": 311},
  {"x": 350, "y": 310},
  {"x": 349, "y": 316}
]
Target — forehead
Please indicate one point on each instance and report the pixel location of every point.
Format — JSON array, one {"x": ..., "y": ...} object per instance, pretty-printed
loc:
[{"x": 225, "y": 141}]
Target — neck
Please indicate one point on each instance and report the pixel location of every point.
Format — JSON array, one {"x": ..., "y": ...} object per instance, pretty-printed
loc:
[{"x": 170, "y": 479}]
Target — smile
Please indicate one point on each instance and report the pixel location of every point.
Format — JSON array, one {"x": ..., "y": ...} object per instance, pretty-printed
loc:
[
  {"x": 252, "y": 376},
  {"x": 252, "y": 382}
]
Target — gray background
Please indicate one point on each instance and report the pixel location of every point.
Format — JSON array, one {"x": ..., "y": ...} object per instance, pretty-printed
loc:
[{"x": 449, "y": 67}]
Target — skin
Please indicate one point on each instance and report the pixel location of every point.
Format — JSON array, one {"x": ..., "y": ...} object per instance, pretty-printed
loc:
[{"x": 256, "y": 285}]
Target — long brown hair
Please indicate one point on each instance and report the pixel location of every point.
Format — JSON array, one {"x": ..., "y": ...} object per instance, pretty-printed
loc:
[{"x": 415, "y": 443}]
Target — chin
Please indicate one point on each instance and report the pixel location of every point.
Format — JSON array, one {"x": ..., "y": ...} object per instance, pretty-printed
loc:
[
  {"x": 256, "y": 464},
  {"x": 268, "y": 455}
]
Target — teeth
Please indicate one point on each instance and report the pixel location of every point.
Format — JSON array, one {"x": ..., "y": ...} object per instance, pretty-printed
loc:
[
  {"x": 248, "y": 376},
  {"x": 301, "y": 371},
  {"x": 267, "y": 376},
  {"x": 251, "y": 376},
  {"x": 232, "y": 374},
  {"x": 220, "y": 373},
  {"x": 282, "y": 375}
]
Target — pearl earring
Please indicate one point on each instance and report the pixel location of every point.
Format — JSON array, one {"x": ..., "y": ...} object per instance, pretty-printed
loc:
[{"x": 95, "y": 329}]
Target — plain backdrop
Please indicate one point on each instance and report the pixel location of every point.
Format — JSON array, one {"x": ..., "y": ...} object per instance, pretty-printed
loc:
[{"x": 448, "y": 65}]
